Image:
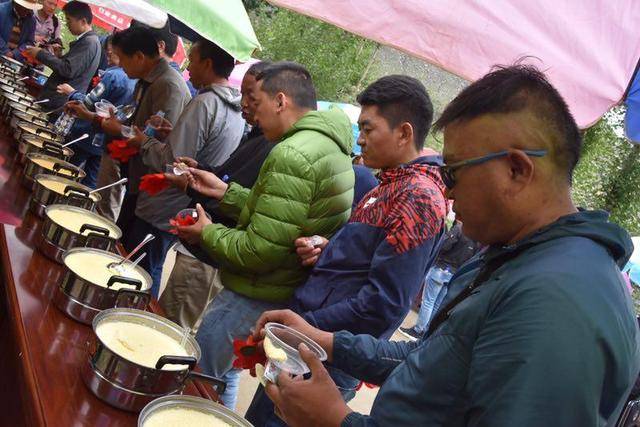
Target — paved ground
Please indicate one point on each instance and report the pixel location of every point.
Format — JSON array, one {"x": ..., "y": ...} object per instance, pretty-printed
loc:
[{"x": 361, "y": 403}]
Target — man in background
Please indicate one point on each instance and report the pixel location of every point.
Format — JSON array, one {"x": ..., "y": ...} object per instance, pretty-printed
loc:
[
  {"x": 77, "y": 66},
  {"x": 17, "y": 27}
]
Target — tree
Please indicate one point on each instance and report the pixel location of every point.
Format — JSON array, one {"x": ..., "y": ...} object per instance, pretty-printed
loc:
[{"x": 338, "y": 61}]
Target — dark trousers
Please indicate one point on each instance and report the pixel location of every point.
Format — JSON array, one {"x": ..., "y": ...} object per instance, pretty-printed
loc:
[
  {"x": 90, "y": 163},
  {"x": 261, "y": 413},
  {"x": 156, "y": 249}
]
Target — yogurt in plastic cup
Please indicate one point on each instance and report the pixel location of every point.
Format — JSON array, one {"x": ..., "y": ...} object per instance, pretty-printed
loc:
[
  {"x": 288, "y": 339},
  {"x": 103, "y": 108},
  {"x": 127, "y": 132}
]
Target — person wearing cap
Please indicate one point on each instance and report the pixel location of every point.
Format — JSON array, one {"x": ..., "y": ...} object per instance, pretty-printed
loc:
[{"x": 17, "y": 27}]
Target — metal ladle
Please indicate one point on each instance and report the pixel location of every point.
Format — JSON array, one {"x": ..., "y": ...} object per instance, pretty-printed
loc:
[{"x": 117, "y": 267}]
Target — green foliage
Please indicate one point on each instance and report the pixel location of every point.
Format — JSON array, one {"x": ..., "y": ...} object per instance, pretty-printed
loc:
[
  {"x": 336, "y": 59},
  {"x": 608, "y": 175}
]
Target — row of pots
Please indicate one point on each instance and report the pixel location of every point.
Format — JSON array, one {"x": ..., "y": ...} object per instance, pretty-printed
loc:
[{"x": 84, "y": 242}]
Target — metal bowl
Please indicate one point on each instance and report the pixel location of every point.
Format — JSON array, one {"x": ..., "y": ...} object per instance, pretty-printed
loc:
[
  {"x": 73, "y": 193},
  {"x": 81, "y": 297},
  {"x": 35, "y": 144},
  {"x": 58, "y": 167},
  {"x": 57, "y": 238},
  {"x": 193, "y": 404},
  {"x": 129, "y": 385}
]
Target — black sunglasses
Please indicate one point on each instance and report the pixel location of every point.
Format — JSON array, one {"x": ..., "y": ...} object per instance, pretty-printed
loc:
[{"x": 447, "y": 172}]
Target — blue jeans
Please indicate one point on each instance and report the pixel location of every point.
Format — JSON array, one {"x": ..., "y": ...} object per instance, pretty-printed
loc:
[
  {"x": 261, "y": 413},
  {"x": 156, "y": 249},
  {"x": 229, "y": 316},
  {"x": 90, "y": 163},
  {"x": 434, "y": 292}
]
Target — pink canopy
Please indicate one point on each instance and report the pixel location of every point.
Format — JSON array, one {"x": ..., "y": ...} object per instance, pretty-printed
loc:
[{"x": 588, "y": 48}]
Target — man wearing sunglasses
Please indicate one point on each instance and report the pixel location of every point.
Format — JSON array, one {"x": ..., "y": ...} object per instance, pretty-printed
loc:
[{"x": 537, "y": 331}]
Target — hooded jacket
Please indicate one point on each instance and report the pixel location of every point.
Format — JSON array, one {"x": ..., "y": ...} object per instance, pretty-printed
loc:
[
  {"x": 208, "y": 130},
  {"x": 372, "y": 269},
  {"x": 549, "y": 338},
  {"x": 305, "y": 187}
]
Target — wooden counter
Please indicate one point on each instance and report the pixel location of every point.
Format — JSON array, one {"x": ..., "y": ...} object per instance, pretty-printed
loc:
[{"x": 42, "y": 350}]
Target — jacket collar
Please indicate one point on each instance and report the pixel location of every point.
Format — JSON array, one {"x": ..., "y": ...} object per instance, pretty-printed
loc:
[
  {"x": 161, "y": 67},
  {"x": 425, "y": 165}
]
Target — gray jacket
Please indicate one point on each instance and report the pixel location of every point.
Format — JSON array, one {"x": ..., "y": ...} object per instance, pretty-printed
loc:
[
  {"x": 209, "y": 130},
  {"x": 164, "y": 89},
  {"x": 76, "y": 68}
]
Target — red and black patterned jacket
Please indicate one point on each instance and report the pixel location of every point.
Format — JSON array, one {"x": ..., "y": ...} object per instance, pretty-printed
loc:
[{"x": 369, "y": 273}]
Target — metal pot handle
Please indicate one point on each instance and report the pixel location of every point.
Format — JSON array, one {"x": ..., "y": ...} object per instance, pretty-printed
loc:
[
  {"x": 57, "y": 167},
  {"x": 76, "y": 190},
  {"x": 97, "y": 237},
  {"x": 190, "y": 361},
  {"x": 51, "y": 150},
  {"x": 125, "y": 280},
  {"x": 218, "y": 385},
  {"x": 98, "y": 230},
  {"x": 140, "y": 299}
]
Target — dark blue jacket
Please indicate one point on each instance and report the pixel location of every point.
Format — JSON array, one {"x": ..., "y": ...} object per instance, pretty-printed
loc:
[
  {"x": 117, "y": 88},
  {"x": 371, "y": 270},
  {"x": 27, "y": 36},
  {"x": 550, "y": 338}
]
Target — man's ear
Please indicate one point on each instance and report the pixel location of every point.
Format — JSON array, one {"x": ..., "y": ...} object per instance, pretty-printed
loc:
[
  {"x": 281, "y": 102},
  {"x": 521, "y": 167},
  {"x": 406, "y": 134}
]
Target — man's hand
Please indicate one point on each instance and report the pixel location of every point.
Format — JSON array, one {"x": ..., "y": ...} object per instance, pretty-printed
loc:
[
  {"x": 206, "y": 183},
  {"x": 295, "y": 321},
  {"x": 79, "y": 110},
  {"x": 31, "y": 52},
  {"x": 112, "y": 126},
  {"x": 65, "y": 89},
  {"x": 57, "y": 49},
  {"x": 139, "y": 138},
  {"x": 310, "y": 248},
  {"x": 192, "y": 163},
  {"x": 315, "y": 402},
  {"x": 9, "y": 54},
  {"x": 179, "y": 181},
  {"x": 162, "y": 127},
  {"x": 192, "y": 233}
]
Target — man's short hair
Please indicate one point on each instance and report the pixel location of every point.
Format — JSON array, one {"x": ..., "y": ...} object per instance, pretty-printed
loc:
[
  {"x": 134, "y": 40},
  {"x": 293, "y": 80},
  {"x": 401, "y": 99},
  {"x": 163, "y": 34},
  {"x": 518, "y": 88},
  {"x": 221, "y": 61},
  {"x": 78, "y": 10},
  {"x": 258, "y": 67}
]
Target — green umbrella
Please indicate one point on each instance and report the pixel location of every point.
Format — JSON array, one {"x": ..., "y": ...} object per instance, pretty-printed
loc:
[{"x": 224, "y": 22}]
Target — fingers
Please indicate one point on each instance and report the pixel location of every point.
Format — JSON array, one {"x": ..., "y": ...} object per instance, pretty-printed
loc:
[
  {"x": 310, "y": 261},
  {"x": 312, "y": 361},
  {"x": 273, "y": 391},
  {"x": 201, "y": 211},
  {"x": 137, "y": 131}
]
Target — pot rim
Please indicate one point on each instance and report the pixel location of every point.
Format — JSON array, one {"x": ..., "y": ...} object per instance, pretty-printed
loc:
[
  {"x": 67, "y": 181},
  {"x": 194, "y": 403},
  {"x": 117, "y": 236},
  {"x": 31, "y": 156}
]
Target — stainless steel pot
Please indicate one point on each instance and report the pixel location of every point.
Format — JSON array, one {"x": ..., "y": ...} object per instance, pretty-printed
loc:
[
  {"x": 19, "y": 116},
  {"x": 191, "y": 403},
  {"x": 128, "y": 385},
  {"x": 59, "y": 167},
  {"x": 5, "y": 99},
  {"x": 81, "y": 297},
  {"x": 18, "y": 106},
  {"x": 57, "y": 239},
  {"x": 45, "y": 133},
  {"x": 35, "y": 144},
  {"x": 73, "y": 194}
]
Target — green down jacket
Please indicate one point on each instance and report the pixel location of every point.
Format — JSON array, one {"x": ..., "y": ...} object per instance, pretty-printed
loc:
[{"x": 305, "y": 187}]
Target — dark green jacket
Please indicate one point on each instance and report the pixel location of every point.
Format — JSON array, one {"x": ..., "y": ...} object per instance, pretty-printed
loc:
[
  {"x": 305, "y": 187},
  {"x": 551, "y": 339}
]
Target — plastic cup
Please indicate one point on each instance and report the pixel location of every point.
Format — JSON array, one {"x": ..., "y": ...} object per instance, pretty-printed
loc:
[
  {"x": 289, "y": 339},
  {"x": 127, "y": 132},
  {"x": 103, "y": 108}
]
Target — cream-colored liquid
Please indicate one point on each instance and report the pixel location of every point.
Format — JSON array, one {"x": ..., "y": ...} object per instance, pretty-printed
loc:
[
  {"x": 178, "y": 417},
  {"x": 139, "y": 343},
  {"x": 73, "y": 220},
  {"x": 58, "y": 187},
  {"x": 92, "y": 266},
  {"x": 48, "y": 164}
]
